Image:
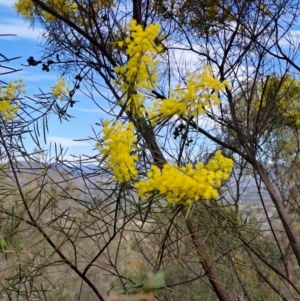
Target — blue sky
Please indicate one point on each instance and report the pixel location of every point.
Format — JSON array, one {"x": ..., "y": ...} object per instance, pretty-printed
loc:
[
  {"x": 25, "y": 44},
  {"x": 86, "y": 113}
]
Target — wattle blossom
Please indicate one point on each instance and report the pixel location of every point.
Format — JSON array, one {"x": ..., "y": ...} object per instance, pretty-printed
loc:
[
  {"x": 60, "y": 89},
  {"x": 119, "y": 142},
  {"x": 139, "y": 74},
  {"x": 8, "y": 95},
  {"x": 186, "y": 184},
  {"x": 189, "y": 183}
]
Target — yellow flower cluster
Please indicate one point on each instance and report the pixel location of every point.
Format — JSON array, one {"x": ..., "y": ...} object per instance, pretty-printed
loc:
[
  {"x": 293, "y": 117},
  {"x": 187, "y": 184},
  {"x": 118, "y": 144},
  {"x": 191, "y": 99},
  {"x": 139, "y": 75},
  {"x": 60, "y": 89},
  {"x": 8, "y": 94},
  {"x": 288, "y": 104},
  {"x": 283, "y": 94},
  {"x": 27, "y": 9}
]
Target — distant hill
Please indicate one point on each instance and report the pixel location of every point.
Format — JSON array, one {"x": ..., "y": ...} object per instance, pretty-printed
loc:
[{"x": 91, "y": 177}]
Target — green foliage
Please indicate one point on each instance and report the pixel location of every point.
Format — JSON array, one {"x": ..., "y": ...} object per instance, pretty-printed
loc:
[
  {"x": 3, "y": 245},
  {"x": 154, "y": 282}
]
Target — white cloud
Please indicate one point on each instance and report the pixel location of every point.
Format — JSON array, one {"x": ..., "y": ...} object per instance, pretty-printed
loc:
[
  {"x": 36, "y": 75},
  {"x": 7, "y": 3},
  {"x": 290, "y": 39},
  {"x": 19, "y": 28},
  {"x": 66, "y": 142},
  {"x": 96, "y": 111}
]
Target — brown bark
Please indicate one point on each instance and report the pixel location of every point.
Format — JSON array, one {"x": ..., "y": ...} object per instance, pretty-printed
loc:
[
  {"x": 205, "y": 259},
  {"x": 283, "y": 215}
]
